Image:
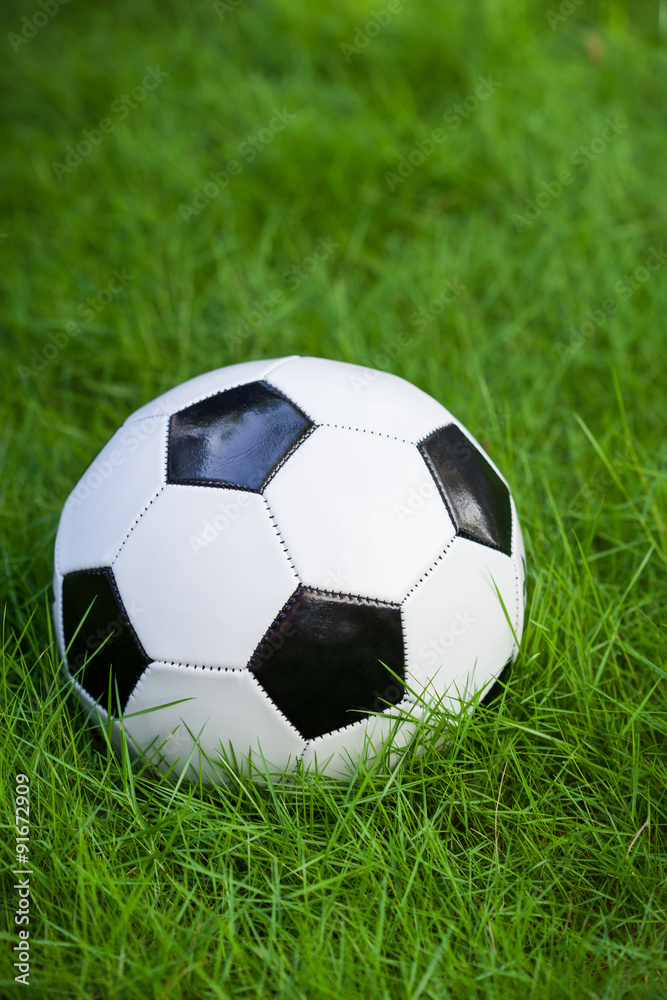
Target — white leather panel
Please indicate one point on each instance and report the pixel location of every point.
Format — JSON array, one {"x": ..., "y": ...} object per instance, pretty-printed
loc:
[
  {"x": 456, "y": 634},
  {"x": 205, "y": 385},
  {"x": 336, "y": 754},
  {"x": 334, "y": 392},
  {"x": 223, "y": 709},
  {"x": 202, "y": 575},
  {"x": 111, "y": 495},
  {"x": 360, "y": 514}
]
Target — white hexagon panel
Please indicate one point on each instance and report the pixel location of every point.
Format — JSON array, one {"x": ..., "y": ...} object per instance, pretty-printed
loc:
[
  {"x": 196, "y": 597},
  {"x": 277, "y": 559},
  {"x": 361, "y": 510}
]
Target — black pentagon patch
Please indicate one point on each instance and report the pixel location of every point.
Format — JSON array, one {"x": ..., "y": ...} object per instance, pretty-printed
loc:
[
  {"x": 476, "y": 496},
  {"x": 236, "y": 438},
  {"x": 105, "y": 644},
  {"x": 321, "y": 662}
]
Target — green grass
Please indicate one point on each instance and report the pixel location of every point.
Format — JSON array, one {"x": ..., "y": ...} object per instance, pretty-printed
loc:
[{"x": 527, "y": 856}]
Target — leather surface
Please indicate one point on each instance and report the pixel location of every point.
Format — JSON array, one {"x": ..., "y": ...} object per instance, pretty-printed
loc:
[
  {"x": 203, "y": 574},
  {"x": 207, "y": 384},
  {"x": 235, "y": 438},
  {"x": 337, "y": 393},
  {"x": 519, "y": 559},
  {"x": 477, "y": 497},
  {"x": 223, "y": 708},
  {"x": 105, "y": 647},
  {"x": 110, "y": 496},
  {"x": 458, "y": 637},
  {"x": 322, "y": 662},
  {"x": 359, "y": 513},
  {"x": 355, "y": 509},
  {"x": 335, "y": 754}
]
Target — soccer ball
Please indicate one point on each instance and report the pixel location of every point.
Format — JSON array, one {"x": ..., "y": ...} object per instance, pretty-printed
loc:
[{"x": 279, "y": 559}]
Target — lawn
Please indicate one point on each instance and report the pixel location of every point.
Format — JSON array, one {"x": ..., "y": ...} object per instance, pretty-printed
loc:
[{"x": 473, "y": 197}]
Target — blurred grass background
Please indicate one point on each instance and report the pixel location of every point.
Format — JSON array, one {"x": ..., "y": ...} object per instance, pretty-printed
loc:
[{"x": 530, "y": 301}]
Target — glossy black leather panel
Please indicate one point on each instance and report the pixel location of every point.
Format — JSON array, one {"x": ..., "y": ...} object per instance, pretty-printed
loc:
[
  {"x": 236, "y": 438},
  {"x": 106, "y": 632},
  {"x": 476, "y": 496},
  {"x": 320, "y": 661}
]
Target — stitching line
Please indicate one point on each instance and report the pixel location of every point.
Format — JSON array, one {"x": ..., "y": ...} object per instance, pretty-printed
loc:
[
  {"x": 276, "y": 621},
  {"x": 114, "y": 558},
  {"x": 362, "y": 430},
  {"x": 274, "y": 525},
  {"x": 427, "y": 572},
  {"x": 169, "y": 413},
  {"x": 288, "y": 454}
]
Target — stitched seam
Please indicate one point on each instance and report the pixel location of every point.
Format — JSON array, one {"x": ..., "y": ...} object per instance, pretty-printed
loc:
[
  {"x": 274, "y": 624},
  {"x": 468, "y": 535},
  {"x": 406, "y": 656},
  {"x": 438, "y": 484},
  {"x": 280, "y": 364},
  {"x": 362, "y": 430},
  {"x": 56, "y": 555},
  {"x": 141, "y": 420},
  {"x": 364, "y": 720},
  {"x": 302, "y": 754},
  {"x": 165, "y": 445},
  {"x": 199, "y": 666},
  {"x": 60, "y": 620},
  {"x": 124, "y": 615},
  {"x": 227, "y": 670},
  {"x": 107, "y": 572},
  {"x": 136, "y": 687},
  {"x": 436, "y": 430},
  {"x": 77, "y": 572},
  {"x": 216, "y": 392},
  {"x": 464, "y": 532},
  {"x": 515, "y": 647},
  {"x": 214, "y": 484},
  {"x": 274, "y": 524},
  {"x": 356, "y": 598},
  {"x": 430, "y": 569},
  {"x": 209, "y": 482},
  {"x": 118, "y": 551},
  {"x": 288, "y": 454},
  {"x": 273, "y": 705}
]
